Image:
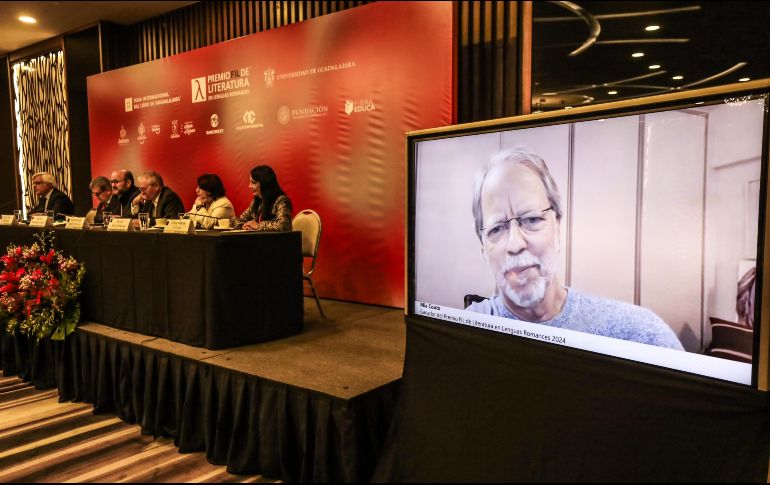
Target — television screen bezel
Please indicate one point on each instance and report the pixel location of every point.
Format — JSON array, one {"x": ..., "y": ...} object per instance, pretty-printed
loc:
[{"x": 760, "y": 375}]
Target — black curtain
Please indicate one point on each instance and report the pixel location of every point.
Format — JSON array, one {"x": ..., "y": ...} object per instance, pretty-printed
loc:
[{"x": 481, "y": 406}]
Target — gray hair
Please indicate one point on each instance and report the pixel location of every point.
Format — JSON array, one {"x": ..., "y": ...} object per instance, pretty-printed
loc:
[
  {"x": 153, "y": 177},
  {"x": 47, "y": 178},
  {"x": 528, "y": 159},
  {"x": 101, "y": 183}
]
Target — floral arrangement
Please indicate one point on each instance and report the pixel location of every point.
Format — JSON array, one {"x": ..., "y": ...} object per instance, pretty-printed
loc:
[{"x": 39, "y": 290}]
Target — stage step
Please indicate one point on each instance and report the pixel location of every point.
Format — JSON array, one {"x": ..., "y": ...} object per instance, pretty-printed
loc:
[{"x": 43, "y": 440}]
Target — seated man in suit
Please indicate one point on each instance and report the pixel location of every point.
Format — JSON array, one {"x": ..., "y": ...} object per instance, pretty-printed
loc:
[
  {"x": 124, "y": 189},
  {"x": 156, "y": 199},
  {"x": 49, "y": 197},
  {"x": 101, "y": 189}
]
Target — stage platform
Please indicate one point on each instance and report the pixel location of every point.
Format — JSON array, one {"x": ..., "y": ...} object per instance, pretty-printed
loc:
[{"x": 312, "y": 407}]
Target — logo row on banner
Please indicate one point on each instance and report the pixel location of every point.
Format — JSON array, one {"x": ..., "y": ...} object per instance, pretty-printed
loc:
[
  {"x": 248, "y": 120},
  {"x": 228, "y": 84}
]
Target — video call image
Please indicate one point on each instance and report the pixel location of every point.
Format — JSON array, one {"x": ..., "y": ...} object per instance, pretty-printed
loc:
[{"x": 632, "y": 236}]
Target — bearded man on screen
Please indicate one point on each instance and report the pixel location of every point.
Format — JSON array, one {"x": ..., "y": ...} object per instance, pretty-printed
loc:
[{"x": 517, "y": 212}]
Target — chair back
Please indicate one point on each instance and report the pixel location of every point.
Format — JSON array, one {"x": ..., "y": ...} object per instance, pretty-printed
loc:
[
  {"x": 308, "y": 222},
  {"x": 731, "y": 341}
]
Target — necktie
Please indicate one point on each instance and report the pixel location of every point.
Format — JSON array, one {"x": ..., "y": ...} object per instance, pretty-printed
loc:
[
  {"x": 42, "y": 203},
  {"x": 151, "y": 209}
]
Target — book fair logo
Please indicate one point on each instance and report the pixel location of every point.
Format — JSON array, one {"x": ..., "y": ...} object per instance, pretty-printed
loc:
[
  {"x": 224, "y": 84},
  {"x": 198, "y": 89},
  {"x": 269, "y": 77},
  {"x": 129, "y": 103}
]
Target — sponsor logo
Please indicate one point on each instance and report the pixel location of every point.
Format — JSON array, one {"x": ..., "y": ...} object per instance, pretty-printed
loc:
[
  {"x": 129, "y": 103},
  {"x": 155, "y": 129},
  {"x": 175, "y": 129},
  {"x": 358, "y": 106},
  {"x": 214, "y": 120},
  {"x": 142, "y": 133},
  {"x": 284, "y": 115},
  {"x": 249, "y": 119},
  {"x": 123, "y": 140},
  {"x": 198, "y": 86},
  {"x": 188, "y": 128},
  {"x": 269, "y": 77}
]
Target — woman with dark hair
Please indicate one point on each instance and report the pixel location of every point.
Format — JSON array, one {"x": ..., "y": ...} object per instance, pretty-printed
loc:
[
  {"x": 211, "y": 204},
  {"x": 271, "y": 208}
]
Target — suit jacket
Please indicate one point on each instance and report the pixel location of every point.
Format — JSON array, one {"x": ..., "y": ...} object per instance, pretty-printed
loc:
[
  {"x": 124, "y": 201},
  {"x": 113, "y": 205},
  {"x": 169, "y": 205},
  {"x": 58, "y": 202}
]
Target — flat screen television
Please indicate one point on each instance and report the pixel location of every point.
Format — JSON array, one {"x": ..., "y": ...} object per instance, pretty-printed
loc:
[{"x": 633, "y": 229}]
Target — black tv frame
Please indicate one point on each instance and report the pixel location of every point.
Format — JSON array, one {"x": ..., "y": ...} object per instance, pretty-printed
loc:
[{"x": 760, "y": 378}]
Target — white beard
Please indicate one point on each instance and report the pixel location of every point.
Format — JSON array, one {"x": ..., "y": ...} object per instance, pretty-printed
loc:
[{"x": 526, "y": 291}]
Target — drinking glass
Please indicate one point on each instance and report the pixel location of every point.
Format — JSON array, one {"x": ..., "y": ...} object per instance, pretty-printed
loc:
[
  {"x": 144, "y": 221},
  {"x": 49, "y": 214},
  {"x": 18, "y": 215},
  {"x": 106, "y": 218}
]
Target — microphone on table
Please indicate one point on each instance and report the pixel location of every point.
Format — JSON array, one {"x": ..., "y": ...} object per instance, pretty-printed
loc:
[{"x": 202, "y": 215}]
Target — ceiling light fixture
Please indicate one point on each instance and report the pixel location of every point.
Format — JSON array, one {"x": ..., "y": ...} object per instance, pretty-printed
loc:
[
  {"x": 637, "y": 54},
  {"x": 744, "y": 79},
  {"x": 652, "y": 28},
  {"x": 27, "y": 19},
  {"x": 654, "y": 66},
  {"x": 677, "y": 78}
]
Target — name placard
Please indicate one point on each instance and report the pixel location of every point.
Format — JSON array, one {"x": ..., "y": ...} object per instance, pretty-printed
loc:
[
  {"x": 179, "y": 226},
  {"x": 41, "y": 221},
  {"x": 121, "y": 225},
  {"x": 77, "y": 223},
  {"x": 6, "y": 220}
]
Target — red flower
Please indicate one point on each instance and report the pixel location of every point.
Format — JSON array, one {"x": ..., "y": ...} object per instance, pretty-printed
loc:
[
  {"x": 7, "y": 288},
  {"x": 18, "y": 251},
  {"x": 49, "y": 257}
]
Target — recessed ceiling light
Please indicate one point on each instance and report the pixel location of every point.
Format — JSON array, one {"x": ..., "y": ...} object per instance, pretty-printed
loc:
[
  {"x": 677, "y": 78},
  {"x": 27, "y": 19},
  {"x": 651, "y": 28},
  {"x": 655, "y": 66},
  {"x": 612, "y": 92},
  {"x": 744, "y": 79},
  {"x": 637, "y": 54}
]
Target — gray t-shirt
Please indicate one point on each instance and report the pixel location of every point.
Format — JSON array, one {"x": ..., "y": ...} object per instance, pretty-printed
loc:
[{"x": 598, "y": 316}]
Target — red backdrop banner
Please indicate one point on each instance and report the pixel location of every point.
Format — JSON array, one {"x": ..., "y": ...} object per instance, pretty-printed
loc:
[{"x": 325, "y": 102}]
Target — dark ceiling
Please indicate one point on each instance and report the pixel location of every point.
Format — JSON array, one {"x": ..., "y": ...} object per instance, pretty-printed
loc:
[{"x": 707, "y": 43}]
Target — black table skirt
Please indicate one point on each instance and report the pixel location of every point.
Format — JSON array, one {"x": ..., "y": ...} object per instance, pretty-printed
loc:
[{"x": 214, "y": 290}]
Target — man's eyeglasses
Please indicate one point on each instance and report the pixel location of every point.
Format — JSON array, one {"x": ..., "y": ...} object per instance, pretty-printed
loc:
[
  {"x": 97, "y": 194},
  {"x": 116, "y": 181},
  {"x": 529, "y": 223}
]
